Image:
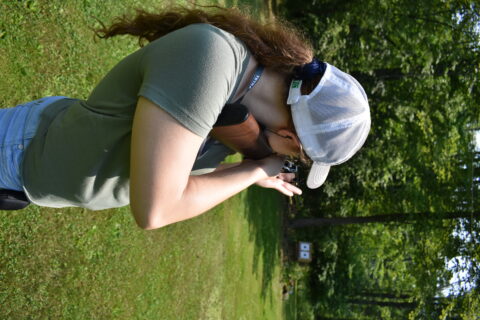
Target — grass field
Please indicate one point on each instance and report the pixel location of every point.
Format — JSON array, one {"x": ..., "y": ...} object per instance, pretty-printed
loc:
[{"x": 78, "y": 264}]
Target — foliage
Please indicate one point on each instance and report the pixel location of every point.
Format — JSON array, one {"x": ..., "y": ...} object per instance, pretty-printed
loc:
[
  {"x": 420, "y": 77},
  {"x": 419, "y": 62}
]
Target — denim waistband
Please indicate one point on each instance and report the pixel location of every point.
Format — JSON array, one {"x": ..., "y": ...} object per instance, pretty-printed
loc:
[{"x": 18, "y": 126}]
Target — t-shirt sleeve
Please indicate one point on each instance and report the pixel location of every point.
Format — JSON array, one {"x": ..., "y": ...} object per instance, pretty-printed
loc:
[{"x": 191, "y": 73}]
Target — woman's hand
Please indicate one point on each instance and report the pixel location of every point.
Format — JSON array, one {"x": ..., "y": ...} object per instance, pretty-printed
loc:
[
  {"x": 275, "y": 179},
  {"x": 281, "y": 184}
]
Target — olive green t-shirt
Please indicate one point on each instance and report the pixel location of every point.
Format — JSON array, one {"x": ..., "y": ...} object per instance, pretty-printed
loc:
[{"x": 80, "y": 155}]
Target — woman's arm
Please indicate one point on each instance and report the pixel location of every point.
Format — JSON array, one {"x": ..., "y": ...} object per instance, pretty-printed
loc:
[
  {"x": 162, "y": 155},
  {"x": 224, "y": 166}
]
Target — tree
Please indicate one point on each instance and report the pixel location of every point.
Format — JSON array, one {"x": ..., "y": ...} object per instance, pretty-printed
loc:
[
  {"x": 419, "y": 62},
  {"x": 386, "y": 218}
]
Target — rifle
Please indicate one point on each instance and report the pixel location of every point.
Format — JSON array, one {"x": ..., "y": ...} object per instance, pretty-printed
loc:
[{"x": 237, "y": 129}]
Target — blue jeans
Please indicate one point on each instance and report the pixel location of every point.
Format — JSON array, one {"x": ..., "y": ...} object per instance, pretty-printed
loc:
[{"x": 18, "y": 126}]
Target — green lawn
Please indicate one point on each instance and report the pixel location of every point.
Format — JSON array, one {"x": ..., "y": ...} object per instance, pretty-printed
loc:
[
  {"x": 74, "y": 263},
  {"x": 78, "y": 264}
]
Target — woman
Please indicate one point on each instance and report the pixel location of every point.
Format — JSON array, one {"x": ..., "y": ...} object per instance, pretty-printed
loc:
[{"x": 136, "y": 139}]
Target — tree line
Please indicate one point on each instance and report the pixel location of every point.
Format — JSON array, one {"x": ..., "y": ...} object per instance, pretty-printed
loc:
[{"x": 408, "y": 201}]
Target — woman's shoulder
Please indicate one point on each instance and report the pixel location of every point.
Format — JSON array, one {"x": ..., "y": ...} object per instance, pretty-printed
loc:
[
  {"x": 204, "y": 29},
  {"x": 203, "y": 34}
]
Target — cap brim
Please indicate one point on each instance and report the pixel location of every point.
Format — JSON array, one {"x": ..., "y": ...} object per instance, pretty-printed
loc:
[{"x": 317, "y": 176}]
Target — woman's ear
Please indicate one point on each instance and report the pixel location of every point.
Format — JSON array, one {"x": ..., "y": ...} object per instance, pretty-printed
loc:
[{"x": 294, "y": 141}]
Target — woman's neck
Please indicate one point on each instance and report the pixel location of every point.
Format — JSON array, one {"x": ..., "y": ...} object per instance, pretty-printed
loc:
[{"x": 267, "y": 100}]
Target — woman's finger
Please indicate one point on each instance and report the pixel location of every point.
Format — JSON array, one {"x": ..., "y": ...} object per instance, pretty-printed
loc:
[
  {"x": 284, "y": 190},
  {"x": 293, "y": 188},
  {"x": 287, "y": 188}
]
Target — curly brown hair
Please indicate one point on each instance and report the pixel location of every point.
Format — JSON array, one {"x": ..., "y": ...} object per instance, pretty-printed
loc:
[{"x": 275, "y": 44}]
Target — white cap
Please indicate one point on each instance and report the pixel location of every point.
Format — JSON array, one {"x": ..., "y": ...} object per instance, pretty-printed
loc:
[{"x": 332, "y": 122}]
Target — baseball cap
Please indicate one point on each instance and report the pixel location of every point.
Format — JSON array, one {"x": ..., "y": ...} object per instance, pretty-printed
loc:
[{"x": 332, "y": 122}]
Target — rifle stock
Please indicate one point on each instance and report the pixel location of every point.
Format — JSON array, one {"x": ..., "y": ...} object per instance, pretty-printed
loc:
[{"x": 237, "y": 129}]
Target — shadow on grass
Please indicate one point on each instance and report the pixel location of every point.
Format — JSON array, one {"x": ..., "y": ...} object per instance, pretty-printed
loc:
[{"x": 263, "y": 211}]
